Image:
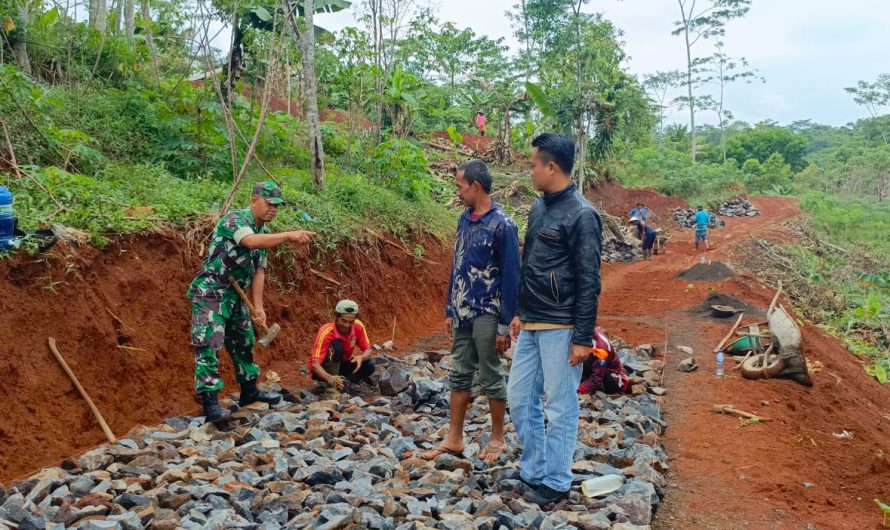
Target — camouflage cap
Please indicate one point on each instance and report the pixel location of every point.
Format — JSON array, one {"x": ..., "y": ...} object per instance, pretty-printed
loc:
[{"x": 269, "y": 191}]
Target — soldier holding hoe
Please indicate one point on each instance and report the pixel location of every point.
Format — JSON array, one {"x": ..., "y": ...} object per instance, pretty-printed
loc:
[{"x": 238, "y": 252}]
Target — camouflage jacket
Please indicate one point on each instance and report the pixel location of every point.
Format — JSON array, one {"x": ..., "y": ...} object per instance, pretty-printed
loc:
[{"x": 227, "y": 258}]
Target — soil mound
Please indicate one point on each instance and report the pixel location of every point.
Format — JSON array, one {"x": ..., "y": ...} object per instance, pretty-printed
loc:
[
  {"x": 612, "y": 197},
  {"x": 704, "y": 309},
  {"x": 715, "y": 271},
  {"x": 479, "y": 144}
]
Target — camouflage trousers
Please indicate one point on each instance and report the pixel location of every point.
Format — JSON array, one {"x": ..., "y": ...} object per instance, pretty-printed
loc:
[{"x": 217, "y": 323}]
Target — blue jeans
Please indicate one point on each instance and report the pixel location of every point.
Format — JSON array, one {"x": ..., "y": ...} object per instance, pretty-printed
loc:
[{"x": 541, "y": 366}]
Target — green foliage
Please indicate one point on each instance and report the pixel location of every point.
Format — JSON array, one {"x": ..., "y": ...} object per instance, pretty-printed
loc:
[
  {"x": 885, "y": 510},
  {"x": 133, "y": 198},
  {"x": 672, "y": 173},
  {"x": 851, "y": 222},
  {"x": 402, "y": 166},
  {"x": 772, "y": 174},
  {"x": 765, "y": 139}
]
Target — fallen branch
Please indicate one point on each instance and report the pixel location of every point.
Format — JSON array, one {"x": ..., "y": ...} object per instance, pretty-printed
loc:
[
  {"x": 728, "y": 409},
  {"x": 325, "y": 277}
]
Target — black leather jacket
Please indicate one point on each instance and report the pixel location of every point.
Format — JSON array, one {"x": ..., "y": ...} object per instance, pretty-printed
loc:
[{"x": 560, "y": 281}]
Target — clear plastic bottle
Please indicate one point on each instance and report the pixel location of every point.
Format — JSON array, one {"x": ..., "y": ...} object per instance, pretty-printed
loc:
[{"x": 720, "y": 360}]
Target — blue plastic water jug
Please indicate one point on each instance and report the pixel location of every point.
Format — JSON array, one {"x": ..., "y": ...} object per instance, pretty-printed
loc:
[{"x": 7, "y": 219}]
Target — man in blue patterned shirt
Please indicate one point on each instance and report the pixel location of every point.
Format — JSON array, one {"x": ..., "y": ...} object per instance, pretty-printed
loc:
[{"x": 482, "y": 298}]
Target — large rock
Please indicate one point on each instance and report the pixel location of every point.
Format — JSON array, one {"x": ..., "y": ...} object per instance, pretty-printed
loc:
[{"x": 144, "y": 465}]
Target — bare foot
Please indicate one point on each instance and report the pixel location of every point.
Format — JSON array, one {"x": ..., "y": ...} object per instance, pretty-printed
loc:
[{"x": 491, "y": 453}]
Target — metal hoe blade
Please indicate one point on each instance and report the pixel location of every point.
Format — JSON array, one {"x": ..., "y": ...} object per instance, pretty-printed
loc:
[{"x": 270, "y": 335}]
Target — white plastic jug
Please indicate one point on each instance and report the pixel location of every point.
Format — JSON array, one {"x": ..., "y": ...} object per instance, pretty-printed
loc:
[{"x": 604, "y": 485}]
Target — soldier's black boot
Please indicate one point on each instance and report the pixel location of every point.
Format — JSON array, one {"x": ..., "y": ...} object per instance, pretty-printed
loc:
[
  {"x": 251, "y": 394},
  {"x": 212, "y": 411}
]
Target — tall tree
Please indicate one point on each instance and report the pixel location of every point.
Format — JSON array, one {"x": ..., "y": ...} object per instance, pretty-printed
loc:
[
  {"x": 581, "y": 86},
  {"x": 99, "y": 15},
  {"x": 657, "y": 86},
  {"x": 703, "y": 19},
  {"x": 129, "y": 18},
  {"x": 873, "y": 96},
  {"x": 722, "y": 70},
  {"x": 306, "y": 39},
  {"x": 18, "y": 35}
]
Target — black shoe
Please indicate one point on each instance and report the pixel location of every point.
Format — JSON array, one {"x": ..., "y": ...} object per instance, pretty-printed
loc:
[
  {"x": 250, "y": 394},
  {"x": 544, "y": 495},
  {"x": 212, "y": 411},
  {"x": 531, "y": 485}
]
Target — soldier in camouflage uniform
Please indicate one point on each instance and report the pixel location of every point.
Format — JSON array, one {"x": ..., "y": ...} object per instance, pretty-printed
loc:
[{"x": 238, "y": 251}]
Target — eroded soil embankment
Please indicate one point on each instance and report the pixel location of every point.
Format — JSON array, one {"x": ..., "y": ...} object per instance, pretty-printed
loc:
[{"x": 121, "y": 320}]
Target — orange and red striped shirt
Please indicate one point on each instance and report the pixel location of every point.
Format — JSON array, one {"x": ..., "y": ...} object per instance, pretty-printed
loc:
[{"x": 358, "y": 336}]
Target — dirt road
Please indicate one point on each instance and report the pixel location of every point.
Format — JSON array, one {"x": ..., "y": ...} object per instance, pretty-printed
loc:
[{"x": 790, "y": 473}]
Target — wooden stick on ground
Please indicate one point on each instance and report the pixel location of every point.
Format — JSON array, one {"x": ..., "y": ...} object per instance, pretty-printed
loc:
[
  {"x": 96, "y": 413},
  {"x": 728, "y": 409},
  {"x": 729, "y": 335}
]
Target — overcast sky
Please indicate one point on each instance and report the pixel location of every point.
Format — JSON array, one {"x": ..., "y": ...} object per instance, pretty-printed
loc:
[{"x": 808, "y": 50}]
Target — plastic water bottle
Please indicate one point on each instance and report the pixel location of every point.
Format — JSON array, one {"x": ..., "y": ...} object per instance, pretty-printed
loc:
[
  {"x": 701, "y": 260},
  {"x": 720, "y": 360},
  {"x": 7, "y": 219}
]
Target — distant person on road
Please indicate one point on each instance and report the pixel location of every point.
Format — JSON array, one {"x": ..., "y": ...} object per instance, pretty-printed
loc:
[
  {"x": 603, "y": 370},
  {"x": 646, "y": 234},
  {"x": 481, "y": 120},
  {"x": 238, "y": 251},
  {"x": 558, "y": 296},
  {"x": 333, "y": 360},
  {"x": 640, "y": 212},
  {"x": 702, "y": 221},
  {"x": 482, "y": 297}
]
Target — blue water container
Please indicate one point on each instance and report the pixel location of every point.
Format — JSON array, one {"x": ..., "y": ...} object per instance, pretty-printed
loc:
[{"x": 7, "y": 219}]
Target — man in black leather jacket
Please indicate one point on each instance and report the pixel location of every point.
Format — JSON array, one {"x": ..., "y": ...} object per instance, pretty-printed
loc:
[{"x": 558, "y": 294}]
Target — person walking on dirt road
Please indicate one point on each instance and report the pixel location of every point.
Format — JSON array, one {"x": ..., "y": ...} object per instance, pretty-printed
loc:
[
  {"x": 646, "y": 234},
  {"x": 332, "y": 360},
  {"x": 482, "y": 297},
  {"x": 238, "y": 251},
  {"x": 558, "y": 297},
  {"x": 702, "y": 220}
]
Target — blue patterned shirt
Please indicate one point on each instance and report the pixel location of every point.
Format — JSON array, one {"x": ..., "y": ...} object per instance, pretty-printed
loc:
[{"x": 485, "y": 269}]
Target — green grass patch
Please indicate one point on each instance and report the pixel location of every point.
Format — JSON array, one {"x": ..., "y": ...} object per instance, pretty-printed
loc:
[{"x": 105, "y": 204}]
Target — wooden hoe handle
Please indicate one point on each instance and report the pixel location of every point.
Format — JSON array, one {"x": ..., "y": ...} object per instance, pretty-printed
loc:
[
  {"x": 96, "y": 413},
  {"x": 243, "y": 296}
]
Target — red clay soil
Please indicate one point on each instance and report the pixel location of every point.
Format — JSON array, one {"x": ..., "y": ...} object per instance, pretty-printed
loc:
[
  {"x": 788, "y": 473},
  {"x": 479, "y": 144},
  {"x": 277, "y": 104},
  {"x": 140, "y": 372},
  {"x": 618, "y": 200}
]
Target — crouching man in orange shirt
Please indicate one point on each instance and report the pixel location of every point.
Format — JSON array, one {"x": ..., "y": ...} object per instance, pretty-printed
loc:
[{"x": 332, "y": 360}]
